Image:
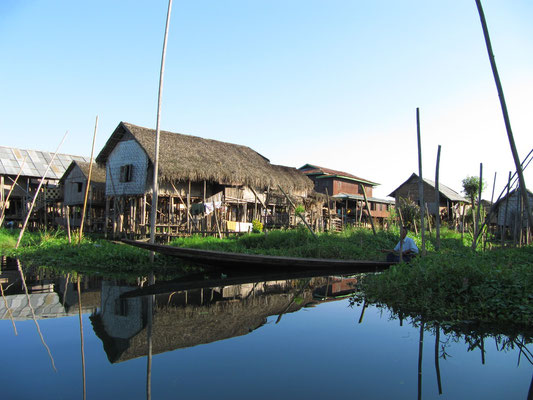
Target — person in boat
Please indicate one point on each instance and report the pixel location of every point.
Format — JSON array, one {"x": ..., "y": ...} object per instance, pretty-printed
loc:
[{"x": 407, "y": 245}]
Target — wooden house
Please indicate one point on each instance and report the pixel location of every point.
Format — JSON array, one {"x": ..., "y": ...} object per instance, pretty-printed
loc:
[
  {"x": 346, "y": 190},
  {"x": 204, "y": 185},
  {"x": 510, "y": 212},
  {"x": 32, "y": 166},
  {"x": 451, "y": 203},
  {"x": 74, "y": 183}
]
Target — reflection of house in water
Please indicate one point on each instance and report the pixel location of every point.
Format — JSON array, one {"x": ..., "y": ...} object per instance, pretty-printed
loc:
[
  {"x": 49, "y": 296},
  {"x": 189, "y": 318}
]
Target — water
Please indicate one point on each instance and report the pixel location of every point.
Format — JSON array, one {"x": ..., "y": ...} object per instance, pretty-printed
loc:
[{"x": 282, "y": 338}]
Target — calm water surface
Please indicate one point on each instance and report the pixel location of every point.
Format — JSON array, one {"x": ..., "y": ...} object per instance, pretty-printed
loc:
[{"x": 262, "y": 339}]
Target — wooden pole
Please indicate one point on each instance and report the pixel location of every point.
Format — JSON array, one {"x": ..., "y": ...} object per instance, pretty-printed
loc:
[
  {"x": 329, "y": 211},
  {"x": 503, "y": 105},
  {"x": 297, "y": 213},
  {"x": 88, "y": 183},
  {"x": 504, "y": 231},
  {"x": 155, "y": 185},
  {"x": 216, "y": 219},
  {"x": 37, "y": 192},
  {"x": 437, "y": 202},
  {"x": 420, "y": 183},
  {"x": 68, "y": 224},
  {"x": 4, "y": 206},
  {"x": 478, "y": 214},
  {"x": 368, "y": 210}
]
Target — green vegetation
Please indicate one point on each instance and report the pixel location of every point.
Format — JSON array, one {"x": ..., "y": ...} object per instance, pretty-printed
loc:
[
  {"x": 350, "y": 244},
  {"x": 460, "y": 288},
  {"x": 52, "y": 250},
  {"x": 456, "y": 286}
]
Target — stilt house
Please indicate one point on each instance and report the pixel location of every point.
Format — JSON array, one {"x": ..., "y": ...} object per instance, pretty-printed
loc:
[
  {"x": 74, "y": 182},
  {"x": 510, "y": 211},
  {"x": 204, "y": 185},
  {"x": 32, "y": 165},
  {"x": 346, "y": 190},
  {"x": 451, "y": 204}
]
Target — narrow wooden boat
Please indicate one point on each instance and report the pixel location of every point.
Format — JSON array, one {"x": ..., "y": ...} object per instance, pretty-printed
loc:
[{"x": 237, "y": 260}]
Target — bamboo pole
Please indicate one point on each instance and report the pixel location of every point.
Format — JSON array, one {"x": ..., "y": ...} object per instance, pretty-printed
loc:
[
  {"x": 88, "y": 183},
  {"x": 368, "y": 210},
  {"x": 216, "y": 219},
  {"x": 37, "y": 192},
  {"x": 506, "y": 209},
  {"x": 67, "y": 208},
  {"x": 478, "y": 213},
  {"x": 81, "y": 339},
  {"x": 420, "y": 182},
  {"x": 503, "y": 105},
  {"x": 299, "y": 215},
  {"x": 437, "y": 202},
  {"x": 329, "y": 211},
  {"x": 4, "y": 206},
  {"x": 155, "y": 184}
]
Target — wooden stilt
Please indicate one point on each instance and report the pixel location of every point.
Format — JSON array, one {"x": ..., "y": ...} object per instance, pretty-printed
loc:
[{"x": 437, "y": 202}]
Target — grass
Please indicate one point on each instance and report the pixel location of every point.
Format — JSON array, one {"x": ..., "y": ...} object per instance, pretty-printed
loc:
[
  {"x": 350, "y": 244},
  {"x": 52, "y": 250},
  {"x": 460, "y": 287}
]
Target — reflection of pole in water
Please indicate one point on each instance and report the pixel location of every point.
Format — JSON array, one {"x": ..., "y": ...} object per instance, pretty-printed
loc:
[
  {"x": 8, "y": 309},
  {"x": 294, "y": 298},
  {"x": 33, "y": 314},
  {"x": 363, "y": 311},
  {"x": 151, "y": 300},
  {"x": 437, "y": 366},
  {"x": 81, "y": 340},
  {"x": 420, "y": 351}
]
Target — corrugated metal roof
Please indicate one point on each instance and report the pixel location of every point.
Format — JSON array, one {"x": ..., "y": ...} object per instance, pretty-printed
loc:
[
  {"x": 36, "y": 162},
  {"x": 310, "y": 169},
  {"x": 343, "y": 196}
]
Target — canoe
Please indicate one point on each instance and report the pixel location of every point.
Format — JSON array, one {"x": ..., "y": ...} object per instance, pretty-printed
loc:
[{"x": 223, "y": 258}]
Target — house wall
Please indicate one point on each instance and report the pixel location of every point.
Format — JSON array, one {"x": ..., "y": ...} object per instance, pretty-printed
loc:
[
  {"x": 124, "y": 153},
  {"x": 512, "y": 209},
  {"x": 335, "y": 186},
  {"x": 71, "y": 194},
  {"x": 410, "y": 191}
]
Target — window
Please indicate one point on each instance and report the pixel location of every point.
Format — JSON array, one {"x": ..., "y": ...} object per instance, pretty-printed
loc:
[
  {"x": 126, "y": 173},
  {"x": 79, "y": 186}
]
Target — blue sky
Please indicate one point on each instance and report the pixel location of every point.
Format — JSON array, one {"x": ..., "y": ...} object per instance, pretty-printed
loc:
[{"x": 332, "y": 83}]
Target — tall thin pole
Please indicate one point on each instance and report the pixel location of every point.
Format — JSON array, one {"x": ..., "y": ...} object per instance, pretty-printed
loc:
[
  {"x": 437, "y": 202},
  {"x": 37, "y": 191},
  {"x": 516, "y": 159},
  {"x": 4, "y": 206},
  {"x": 478, "y": 214},
  {"x": 88, "y": 182},
  {"x": 155, "y": 186},
  {"x": 420, "y": 182}
]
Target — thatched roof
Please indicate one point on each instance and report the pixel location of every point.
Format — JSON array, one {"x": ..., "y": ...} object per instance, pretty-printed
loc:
[
  {"x": 184, "y": 157},
  {"x": 98, "y": 174}
]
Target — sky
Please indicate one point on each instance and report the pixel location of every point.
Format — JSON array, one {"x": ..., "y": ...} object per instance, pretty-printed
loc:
[{"x": 331, "y": 83}]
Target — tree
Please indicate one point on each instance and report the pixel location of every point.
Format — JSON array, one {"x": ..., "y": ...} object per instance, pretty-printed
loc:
[{"x": 471, "y": 191}]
